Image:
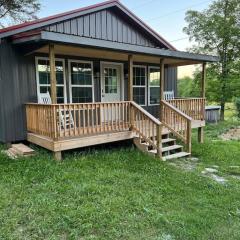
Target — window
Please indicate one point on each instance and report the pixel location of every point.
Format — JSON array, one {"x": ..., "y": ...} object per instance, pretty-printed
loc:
[
  {"x": 139, "y": 85},
  {"x": 81, "y": 81},
  {"x": 43, "y": 77},
  {"x": 111, "y": 80},
  {"x": 154, "y": 85}
]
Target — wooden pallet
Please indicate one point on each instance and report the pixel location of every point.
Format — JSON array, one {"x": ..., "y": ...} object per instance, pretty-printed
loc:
[{"x": 19, "y": 150}]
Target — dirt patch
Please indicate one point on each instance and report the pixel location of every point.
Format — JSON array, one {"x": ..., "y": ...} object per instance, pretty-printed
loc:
[{"x": 232, "y": 134}]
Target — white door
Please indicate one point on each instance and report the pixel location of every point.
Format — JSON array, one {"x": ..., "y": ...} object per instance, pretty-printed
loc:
[
  {"x": 111, "y": 78},
  {"x": 111, "y": 83}
]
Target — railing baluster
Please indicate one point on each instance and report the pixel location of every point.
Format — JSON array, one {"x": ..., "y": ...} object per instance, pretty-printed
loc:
[{"x": 79, "y": 119}]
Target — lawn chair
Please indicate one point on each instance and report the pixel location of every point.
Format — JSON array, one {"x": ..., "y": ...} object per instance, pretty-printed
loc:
[
  {"x": 65, "y": 118},
  {"x": 168, "y": 95},
  {"x": 44, "y": 98}
]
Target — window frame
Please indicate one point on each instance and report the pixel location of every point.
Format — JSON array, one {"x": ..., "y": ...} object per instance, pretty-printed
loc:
[
  {"x": 149, "y": 86},
  {"x": 142, "y": 86},
  {"x": 37, "y": 58},
  {"x": 79, "y": 86}
]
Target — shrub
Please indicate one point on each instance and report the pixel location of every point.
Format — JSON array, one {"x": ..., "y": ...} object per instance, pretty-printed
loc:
[{"x": 237, "y": 103}]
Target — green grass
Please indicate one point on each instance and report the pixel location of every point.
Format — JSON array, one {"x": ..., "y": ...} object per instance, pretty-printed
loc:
[{"x": 121, "y": 193}]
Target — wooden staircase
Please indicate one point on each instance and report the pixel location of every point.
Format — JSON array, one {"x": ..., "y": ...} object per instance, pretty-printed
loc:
[
  {"x": 170, "y": 149},
  {"x": 160, "y": 138}
]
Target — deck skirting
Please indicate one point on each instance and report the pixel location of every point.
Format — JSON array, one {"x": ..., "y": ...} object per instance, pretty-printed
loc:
[{"x": 80, "y": 142}]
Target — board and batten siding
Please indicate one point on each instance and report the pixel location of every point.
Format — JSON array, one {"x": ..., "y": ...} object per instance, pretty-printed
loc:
[
  {"x": 18, "y": 86},
  {"x": 106, "y": 25}
]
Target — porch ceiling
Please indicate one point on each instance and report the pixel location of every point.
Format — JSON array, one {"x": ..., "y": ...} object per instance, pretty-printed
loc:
[{"x": 104, "y": 54}]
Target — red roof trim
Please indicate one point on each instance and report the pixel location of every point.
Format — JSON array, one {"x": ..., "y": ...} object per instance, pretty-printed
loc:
[
  {"x": 26, "y": 34},
  {"x": 41, "y": 20}
]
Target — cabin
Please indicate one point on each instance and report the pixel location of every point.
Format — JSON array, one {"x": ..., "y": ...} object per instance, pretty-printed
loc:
[{"x": 96, "y": 75}]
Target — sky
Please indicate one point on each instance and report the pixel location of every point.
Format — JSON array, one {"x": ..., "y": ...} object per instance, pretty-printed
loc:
[{"x": 165, "y": 17}]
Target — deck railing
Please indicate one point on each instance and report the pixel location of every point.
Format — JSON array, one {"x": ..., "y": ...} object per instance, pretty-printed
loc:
[
  {"x": 75, "y": 120},
  {"x": 147, "y": 127},
  {"x": 177, "y": 122},
  {"x": 193, "y": 107},
  {"x": 61, "y": 121}
]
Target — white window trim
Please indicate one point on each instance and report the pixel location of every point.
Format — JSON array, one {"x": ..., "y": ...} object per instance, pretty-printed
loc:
[
  {"x": 152, "y": 67},
  {"x": 102, "y": 63},
  {"x": 70, "y": 78},
  {"x": 142, "y": 86},
  {"x": 47, "y": 85}
]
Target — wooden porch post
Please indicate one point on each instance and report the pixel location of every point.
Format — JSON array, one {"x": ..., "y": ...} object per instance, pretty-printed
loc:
[
  {"x": 161, "y": 86},
  {"x": 58, "y": 156},
  {"x": 52, "y": 74},
  {"x": 130, "y": 89},
  {"x": 203, "y": 95},
  {"x": 130, "y": 78},
  {"x": 203, "y": 83}
]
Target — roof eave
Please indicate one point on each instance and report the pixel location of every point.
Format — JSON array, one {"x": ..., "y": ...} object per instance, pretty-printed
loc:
[{"x": 123, "y": 47}]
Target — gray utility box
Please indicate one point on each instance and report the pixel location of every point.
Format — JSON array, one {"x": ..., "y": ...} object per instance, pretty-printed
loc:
[{"x": 212, "y": 114}]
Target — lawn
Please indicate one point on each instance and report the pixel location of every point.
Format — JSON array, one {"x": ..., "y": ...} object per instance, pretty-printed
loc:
[{"x": 121, "y": 193}]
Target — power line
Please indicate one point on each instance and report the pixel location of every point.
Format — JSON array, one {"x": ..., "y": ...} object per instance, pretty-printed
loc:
[
  {"x": 179, "y": 39},
  {"x": 179, "y": 10}
]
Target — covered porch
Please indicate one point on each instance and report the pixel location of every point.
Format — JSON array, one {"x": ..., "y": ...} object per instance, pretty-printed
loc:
[{"x": 69, "y": 125}]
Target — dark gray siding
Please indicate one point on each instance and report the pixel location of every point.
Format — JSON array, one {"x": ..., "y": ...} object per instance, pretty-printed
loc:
[
  {"x": 18, "y": 86},
  {"x": 2, "y": 130},
  {"x": 106, "y": 25}
]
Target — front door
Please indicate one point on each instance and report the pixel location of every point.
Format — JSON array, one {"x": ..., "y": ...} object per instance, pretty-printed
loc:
[
  {"x": 111, "y": 75},
  {"x": 111, "y": 82}
]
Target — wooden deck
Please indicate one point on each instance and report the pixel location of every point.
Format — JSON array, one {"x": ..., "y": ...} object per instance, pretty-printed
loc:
[
  {"x": 93, "y": 139},
  {"x": 78, "y": 142},
  {"x": 60, "y": 127}
]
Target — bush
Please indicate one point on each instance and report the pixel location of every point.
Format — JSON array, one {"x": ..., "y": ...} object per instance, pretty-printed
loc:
[{"x": 237, "y": 103}]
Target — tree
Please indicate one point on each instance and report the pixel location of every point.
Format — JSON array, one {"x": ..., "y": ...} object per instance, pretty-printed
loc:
[
  {"x": 185, "y": 86},
  {"x": 216, "y": 31},
  {"x": 18, "y": 11}
]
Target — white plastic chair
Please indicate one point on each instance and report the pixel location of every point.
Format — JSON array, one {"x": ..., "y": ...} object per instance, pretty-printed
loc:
[
  {"x": 66, "y": 119},
  {"x": 44, "y": 98},
  {"x": 168, "y": 95}
]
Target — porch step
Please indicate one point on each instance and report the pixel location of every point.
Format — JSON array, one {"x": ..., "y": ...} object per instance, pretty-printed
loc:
[
  {"x": 170, "y": 148},
  {"x": 170, "y": 151},
  {"x": 167, "y": 149},
  {"x": 176, "y": 155},
  {"x": 168, "y": 140},
  {"x": 22, "y": 150}
]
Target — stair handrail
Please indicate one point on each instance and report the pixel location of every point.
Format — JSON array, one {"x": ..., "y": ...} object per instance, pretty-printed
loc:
[
  {"x": 139, "y": 116},
  {"x": 146, "y": 113},
  {"x": 182, "y": 127}
]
